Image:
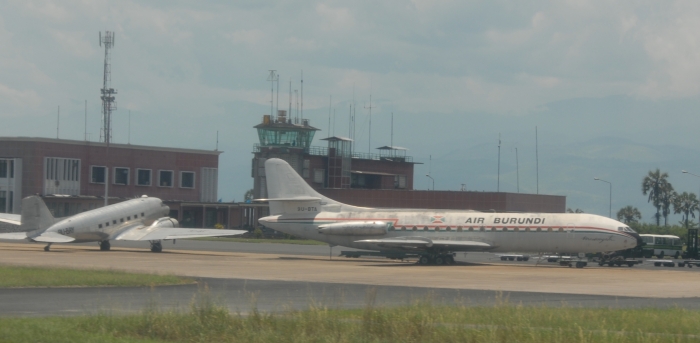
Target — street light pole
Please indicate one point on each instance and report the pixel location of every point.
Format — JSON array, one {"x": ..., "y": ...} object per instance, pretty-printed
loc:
[
  {"x": 428, "y": 175},
  {"x": 609, "y": 183}
]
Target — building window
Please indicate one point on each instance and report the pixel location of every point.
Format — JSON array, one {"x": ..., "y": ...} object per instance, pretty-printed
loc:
[
  {"x": 97, "y": 174},
  {"x": 121, "y": 176},
  {"x": 165, "y": 178},
  {"x": 318, "y": 175},
  {"x": 186, "y": 179},
  {"x": 143, "y": 177},
  {"x": 3, "y": 168}
]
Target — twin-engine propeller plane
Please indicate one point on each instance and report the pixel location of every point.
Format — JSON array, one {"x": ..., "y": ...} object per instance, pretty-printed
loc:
[
  {"x": 141, "y": 219},
  {"x": 297, "y": 209}
]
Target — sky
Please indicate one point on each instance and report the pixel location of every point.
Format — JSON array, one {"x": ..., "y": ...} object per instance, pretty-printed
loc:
[{"x": 611, "y": 87}]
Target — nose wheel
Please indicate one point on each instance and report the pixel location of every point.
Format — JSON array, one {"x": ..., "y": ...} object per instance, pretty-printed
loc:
[{"x": 47, "y": 247}]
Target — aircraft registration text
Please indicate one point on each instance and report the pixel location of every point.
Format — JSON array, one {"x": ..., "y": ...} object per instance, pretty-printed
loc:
[{"x": 307, "y": 209}]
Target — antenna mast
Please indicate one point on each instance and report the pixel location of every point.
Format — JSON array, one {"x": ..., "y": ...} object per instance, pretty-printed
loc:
[
  {"x": 498, "y": 184},
  {"x": 369, "y": 147},
  {"x": 108, "y": 102},
  {"x": 302, "y": 94},
  {"x": 272, "y": 78}
]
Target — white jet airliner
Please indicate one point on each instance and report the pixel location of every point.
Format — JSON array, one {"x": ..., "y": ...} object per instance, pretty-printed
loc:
[
  {"x": 141, "y": 219},
  {"x": 297, "y": 209}
]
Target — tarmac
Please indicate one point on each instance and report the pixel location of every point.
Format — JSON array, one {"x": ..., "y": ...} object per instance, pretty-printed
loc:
[{"x": 493, "y": 276}]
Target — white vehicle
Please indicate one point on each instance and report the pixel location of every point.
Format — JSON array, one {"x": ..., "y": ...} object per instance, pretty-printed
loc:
[
  {"x": 141, "y": 219},
  {"x": 661, "y": 245},
  {"x": 297, "y": 209}
]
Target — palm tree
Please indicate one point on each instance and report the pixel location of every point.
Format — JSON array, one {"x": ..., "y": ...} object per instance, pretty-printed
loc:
[
  {"x": 668, "y": 197},
  {"x": 578, "y": 210},
  {"x": 687, "y": 204},
  {"x": 629, "y": 214},
  {"x": 653, "y": 184},
  {"x": 248, "y": 196}
]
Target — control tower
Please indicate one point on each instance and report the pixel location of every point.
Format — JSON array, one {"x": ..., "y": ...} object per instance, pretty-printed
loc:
[{"x": 281, "y": 138}]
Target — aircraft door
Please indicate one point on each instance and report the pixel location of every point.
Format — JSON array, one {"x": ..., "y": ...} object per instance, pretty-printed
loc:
[{"x": 570, "y": 237}]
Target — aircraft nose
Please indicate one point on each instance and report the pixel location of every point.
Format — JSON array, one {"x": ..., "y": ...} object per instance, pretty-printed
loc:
[{"x": 640, "y": 242}]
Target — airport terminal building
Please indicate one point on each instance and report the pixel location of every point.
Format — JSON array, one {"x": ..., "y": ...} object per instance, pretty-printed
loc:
[{"x": 70, "y": 175}]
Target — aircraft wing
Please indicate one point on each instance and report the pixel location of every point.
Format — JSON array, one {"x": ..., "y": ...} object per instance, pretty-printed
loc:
[
  {"x": 14, "y": 219},
  {"x": 422, "y": 243},
  {"x": 13, "y": 235},
  {"x": 146, "y": 233},
  {"x": 52, "y": 237}
]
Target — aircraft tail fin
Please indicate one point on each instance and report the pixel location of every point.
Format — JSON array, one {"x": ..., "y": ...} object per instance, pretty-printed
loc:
[
  {"x": 35, "y": 214},
  {"x": 288, "y": 192}
]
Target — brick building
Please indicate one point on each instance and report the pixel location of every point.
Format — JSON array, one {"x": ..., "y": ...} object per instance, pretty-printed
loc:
[{"x": 70, "y": 176}]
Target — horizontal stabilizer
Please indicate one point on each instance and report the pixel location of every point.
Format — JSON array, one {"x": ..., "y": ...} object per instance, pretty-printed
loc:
[
  {"x": 13, "y": 235},
  {"x": 299, "y": 198},
  {"x": 164, "y": 233},
  {"x": 52, "y": 237},
  {"x": 14, "y": 219},
  {"x": 421, "y": 243}
]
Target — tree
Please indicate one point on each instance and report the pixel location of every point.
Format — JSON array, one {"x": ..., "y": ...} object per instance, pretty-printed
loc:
[
  {"x": 629, "y": 215},
  {"x": 653, "y": 185},
  {"x": 578, "y": 210},
  {"x": 686, "y": 203},
  {"x": 248, "y": 196}
]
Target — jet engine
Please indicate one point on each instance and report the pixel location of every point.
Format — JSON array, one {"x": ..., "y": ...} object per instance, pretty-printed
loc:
[
  {"x": 166, "y": 222},
  {"x": 355, "y": 228}
]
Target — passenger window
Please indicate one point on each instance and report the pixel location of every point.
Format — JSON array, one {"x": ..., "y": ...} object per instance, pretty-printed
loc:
[
  {"x": 128, "y": 218},
  {"x": 448, "y": 228},
  {"x": 561, "y": 229},
  {"x": 482, "y": 228},
  {"x": 425, "y": 228},
  {"x": 114, "y": 221},
  {"x": 142, "y": 215},
  {"x": 100, "y": 226},
  {"x": 121, "y": 220},
  {"x": 471, "y": 228},
  {"x": 459, "y": 229},
  {"x": 107, "y": 224},
  {"x": 415, "y": 228},
  {"x": 403, "y": 228}
]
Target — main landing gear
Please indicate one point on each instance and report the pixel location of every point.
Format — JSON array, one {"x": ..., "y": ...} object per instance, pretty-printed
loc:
[
  {"x": 437, "y": 259},
  {"x": 47, "y": 247},
  {"x": 156, "y": 246},
  {"x": 104, "y": 245}
]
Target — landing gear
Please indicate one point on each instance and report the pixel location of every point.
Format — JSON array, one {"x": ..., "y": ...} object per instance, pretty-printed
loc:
[
  {"x": 104, "y": 245},
  {"x": 156, "y": 246},
  {"x": 47, "y": 247},
  {"x": 438, "y": 259}
]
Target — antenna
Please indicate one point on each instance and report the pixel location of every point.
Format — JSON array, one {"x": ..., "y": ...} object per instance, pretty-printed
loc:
[
  {"x": 369, "y": 147},
  {"x": 217, "y": 140},
  {"x": 392, "y": 130},
  {"x": 498, "y": 185},
  {"x": 330, "y": 104},
  {"x": 302, "y": 94},
  {"x": 296, "y": 119},
  {"x": 537, "y": 161},
  {"x": 58, "y": 120},
  {"x": 86, "y": 121},
  {"x": 108, "y": 102},
  {"x": 272, "y": 78},
  {"x": 517, "y": 169},
  {"x": 129, "y": 129}
]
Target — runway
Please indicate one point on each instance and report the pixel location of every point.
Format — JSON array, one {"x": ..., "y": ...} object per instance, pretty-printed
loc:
[{"x": 277, "y": 282}]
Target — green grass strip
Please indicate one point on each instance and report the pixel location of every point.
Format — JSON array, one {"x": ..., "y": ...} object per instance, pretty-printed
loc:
[
  {"x": 420, "y": 322},
  {"x": 261, "y": 240},
  {"x": 16, "y": 276}
]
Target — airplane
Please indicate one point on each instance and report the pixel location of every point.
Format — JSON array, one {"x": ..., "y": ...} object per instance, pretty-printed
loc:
[
  {"x": 434, "y": 235},
  {"x": 141, "y": 219}
]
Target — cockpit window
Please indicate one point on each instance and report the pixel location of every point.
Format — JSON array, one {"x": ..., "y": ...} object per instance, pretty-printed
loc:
[
  {"x": 625, "y": 229},
  {"x": 630, "y": 230}
]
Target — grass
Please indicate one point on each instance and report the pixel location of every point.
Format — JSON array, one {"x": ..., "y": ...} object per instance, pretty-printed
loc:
[
  {"x": 261, "y": 240},
  {"x": 420, "y": 322},
  {"x": 16, "y": 276}
]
